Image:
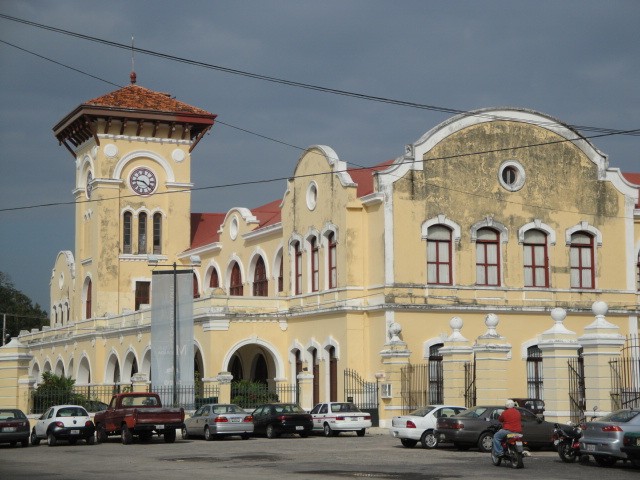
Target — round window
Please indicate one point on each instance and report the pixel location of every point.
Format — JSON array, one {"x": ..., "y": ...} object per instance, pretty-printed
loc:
[
  {"x": 511, "y": 175},
  {"x": 233, "y": 228},
  {"x": 312, "y": 195}
]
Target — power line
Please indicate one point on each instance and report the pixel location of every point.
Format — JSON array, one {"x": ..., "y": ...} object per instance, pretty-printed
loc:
[{"x": 293, "y": 83}]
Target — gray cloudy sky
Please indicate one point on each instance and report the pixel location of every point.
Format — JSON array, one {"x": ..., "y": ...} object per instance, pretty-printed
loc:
[{"x": 578, "y": 61}]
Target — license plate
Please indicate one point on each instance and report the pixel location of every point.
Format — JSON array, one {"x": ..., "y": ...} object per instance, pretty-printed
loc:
[
  {"x": 354, "y": 419},
  {"x": 75, "y": 432},
  {"x": 591, "y": 448},
  {"x": 9, "y": 429},
  {"x": 159, "y": 427},
  {"x": 299, "y": 427},
  {"x": 235, "y": 420},
  {"x": 519, "y": 444}
]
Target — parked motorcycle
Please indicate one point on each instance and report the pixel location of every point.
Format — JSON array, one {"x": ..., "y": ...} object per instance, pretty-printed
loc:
[
  {"x": 566, "y": 438},
  {"x": 513, "y": 446}
]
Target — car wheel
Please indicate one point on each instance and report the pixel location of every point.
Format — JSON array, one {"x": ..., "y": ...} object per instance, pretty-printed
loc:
[
  {"x": 207, "y": 434},
  {"x": 169, "y": 435},
  {"x": 126, "y": 435},
  {"x": 408, "y": 442},
  {"x": 245, "y": 436},
  {"x": 91, "y": 440},
  {"x": 327, "y": 430},
  {"x": 485, "y": 442},
  {"x": 429, "y": 439},
  {"x": 271, "y": 431},
  {"x": 185, "y": 434},
  {"x": 35, "y": 441},
  {"x": 51, "y": 439},
  {"x": 101, "y": 434},
  {"x": 361, "y": 432},
  {"x": 605, "y": 460}
]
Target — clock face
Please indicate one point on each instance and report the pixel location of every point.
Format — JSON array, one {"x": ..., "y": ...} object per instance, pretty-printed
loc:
[
  {"x": 143, "y": 181},
  {"x": 89, "y": 187}
]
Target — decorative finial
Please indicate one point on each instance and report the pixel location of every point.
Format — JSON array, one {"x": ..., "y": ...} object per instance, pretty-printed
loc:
[{"x": 132, "y": 75}]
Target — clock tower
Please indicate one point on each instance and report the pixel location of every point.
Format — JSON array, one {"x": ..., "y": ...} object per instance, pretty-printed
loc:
[{"x": 132, "y": 151}]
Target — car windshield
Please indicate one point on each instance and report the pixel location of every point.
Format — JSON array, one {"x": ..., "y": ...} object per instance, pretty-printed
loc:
[
  {"x": 72, "y": 412},
  {"x": 288, "y": 409},
  {"x": 344, "y": 407},
  {"x": 622, "y": 416},
  {"x": 474, "y": 412},
  {"x": 421, "y": 412},
  {"x": 11, "y": 414}
]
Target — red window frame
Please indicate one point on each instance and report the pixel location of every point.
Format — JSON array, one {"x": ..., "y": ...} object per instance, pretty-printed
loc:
[
  {"x": 297, "y": 268},
  {"x": 315, "y": 269},
  {"x": 438, "y": 260},
  {"x": 87, "y": 305},
  {"x": 581, "y": 268},
  {"x": 260, "y": 281},
  {"x": 333, "y": 260},
  {"x": 235, "y": 284},
  {"x": 532, "y": 246},
  {"x": 485, "y": 245}
]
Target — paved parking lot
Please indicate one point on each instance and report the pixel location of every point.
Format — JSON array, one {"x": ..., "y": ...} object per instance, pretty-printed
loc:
[{"x": 376, "y": 456}]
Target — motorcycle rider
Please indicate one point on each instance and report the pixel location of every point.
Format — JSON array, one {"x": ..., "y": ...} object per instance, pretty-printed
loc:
[{"x": 511, "y": 423}]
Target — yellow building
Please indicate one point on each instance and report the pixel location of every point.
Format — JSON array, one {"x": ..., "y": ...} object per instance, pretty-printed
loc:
[{"x": 496, "y": 252}]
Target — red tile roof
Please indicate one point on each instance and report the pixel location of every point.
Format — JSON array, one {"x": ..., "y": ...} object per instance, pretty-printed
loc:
[
  {"x": 204, "y": 228},
  {"x": 135, "y": 97},
  {"x": 635, "y": 179},
  {"x": 364, "y": 177},
  {"x": 268, "y": 214}
]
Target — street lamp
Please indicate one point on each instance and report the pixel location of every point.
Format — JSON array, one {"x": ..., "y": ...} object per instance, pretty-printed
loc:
[{"x": 153, "y": 261}]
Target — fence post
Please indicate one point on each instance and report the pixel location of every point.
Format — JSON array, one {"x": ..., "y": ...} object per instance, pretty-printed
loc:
[
  {"x": 492, "y": 354},
  {"x": 139, "y": 382},
  {"x": 224, "y": 380},
  {"x": 558, "y": 346},
  {"x": 600, "y": 342},
  {"x": 14, "y": 364},
  {"x": 455, "y": 354},
  {"x": 394, "y": 358},
  {"x": 305, "y": 390}
]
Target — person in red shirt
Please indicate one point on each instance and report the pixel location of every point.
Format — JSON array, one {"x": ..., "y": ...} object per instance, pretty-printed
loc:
[{"x": 511, "y": 423}]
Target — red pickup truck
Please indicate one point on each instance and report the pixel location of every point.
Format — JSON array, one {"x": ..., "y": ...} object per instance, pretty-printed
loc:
[{"x": 141, "y": 414}]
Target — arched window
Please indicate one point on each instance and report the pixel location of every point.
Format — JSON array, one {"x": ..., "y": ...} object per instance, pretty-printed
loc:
[
  {"x": 582, "y": 260},
  {"x": 333, "y": 375},
  {"x": 297, "y": 268},
  {"x": 488, "y": 257},
  {"x": 436, "y": 375},
  {"x": 126, "y": 229},
  {"x": 315, "y": 268},
  {"x": 260, "y": 282},
  {"x": 235, "y": 285},
  {"x": 534, "y": 373},
  {"x": 196, "y": 289},
  {"x": 439, "y": 255},
  {"x": 236, "y": 368},
  {"x": 333, "y": 260},
  {"x": 214, "y": 280},
  {"x": 87, "y": 303},
  {"x": 316, "y": 376},
  {"x": 142, "y": 234},
  {"x": 157, "y": 233},
  {"x": 280, "y": 277},
  {"x": 143, "y": 296},
  {"x": 536, "y": 263}
]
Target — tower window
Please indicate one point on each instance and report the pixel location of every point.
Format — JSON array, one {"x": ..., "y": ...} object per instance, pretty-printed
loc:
[
  {"x": 142, "y": 234},
  {"x": 157, "y": 233},
  {"x": 126, "y": 228}
]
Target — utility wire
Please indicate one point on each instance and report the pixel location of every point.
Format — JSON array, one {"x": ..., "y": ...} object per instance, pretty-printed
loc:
[{"x": 292, "y": 83}]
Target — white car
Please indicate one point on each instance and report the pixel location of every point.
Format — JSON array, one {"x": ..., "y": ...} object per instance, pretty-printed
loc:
[
  {"x": 64, "y": 422},
  {"x": 331, "y": 418},
  {"x": 418, "y": 425}
]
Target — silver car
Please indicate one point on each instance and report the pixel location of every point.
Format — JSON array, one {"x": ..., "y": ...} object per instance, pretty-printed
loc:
[
  {"x": 218, "y": 420},
  {"x": 602, "y": 438}
]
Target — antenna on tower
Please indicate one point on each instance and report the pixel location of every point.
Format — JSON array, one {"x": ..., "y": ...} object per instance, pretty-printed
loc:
[{"x": 132, "y": 75}]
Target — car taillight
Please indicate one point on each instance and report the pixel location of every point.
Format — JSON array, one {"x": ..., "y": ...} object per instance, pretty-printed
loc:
[
  {"x": 282, "y": 418},
  {"x": 59, "y": 424},
  {"x": 248, "y": 418},
  {"x": 611, "y": 428},
  {"x": 340, "y": 418},
  {"x": 410, "y": 424},
  {"x": 457, "y": 426},
  {"x": 367, "y": 417},
  {"x": 221, "y": 420},
  {"x": 88, "y": 423}
]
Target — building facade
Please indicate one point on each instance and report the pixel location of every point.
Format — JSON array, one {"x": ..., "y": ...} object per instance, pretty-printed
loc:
[{"x": 477, "y": 266}]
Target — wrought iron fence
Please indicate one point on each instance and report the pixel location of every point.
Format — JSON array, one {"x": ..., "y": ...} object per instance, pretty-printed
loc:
[
  {"x": 421, "y": 385},
  {"x": 362, "y": 393},
  {"x": 625, "y": 375},
  {"x": 93, "y": 397},
  {"x": 577, "y": 393},
  {"x": 189, "y": 397},
  {"x": 469, "y": 384},
  {"x": 248, "y": 395}
]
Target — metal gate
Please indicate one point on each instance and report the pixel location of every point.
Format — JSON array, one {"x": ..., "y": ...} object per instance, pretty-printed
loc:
[
  {"x": 625, "y": 375},
  {"x": 577, "y": 392},
  {"x": 362, "y": 393},
  {"x": 469, "y": 384},
  {"x": 421, "y": 385}
]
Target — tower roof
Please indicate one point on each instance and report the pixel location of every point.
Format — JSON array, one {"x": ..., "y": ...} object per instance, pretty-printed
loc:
[{"x": 129, "y": 105}]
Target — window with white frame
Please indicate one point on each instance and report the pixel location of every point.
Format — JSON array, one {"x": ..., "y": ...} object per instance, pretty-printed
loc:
[{"x": 439, "y": 255}]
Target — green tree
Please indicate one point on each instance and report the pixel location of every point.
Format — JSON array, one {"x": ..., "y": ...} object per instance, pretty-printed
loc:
[
  {"x": 55, "y": 390},
  {"x": 20, "y": 312}
]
